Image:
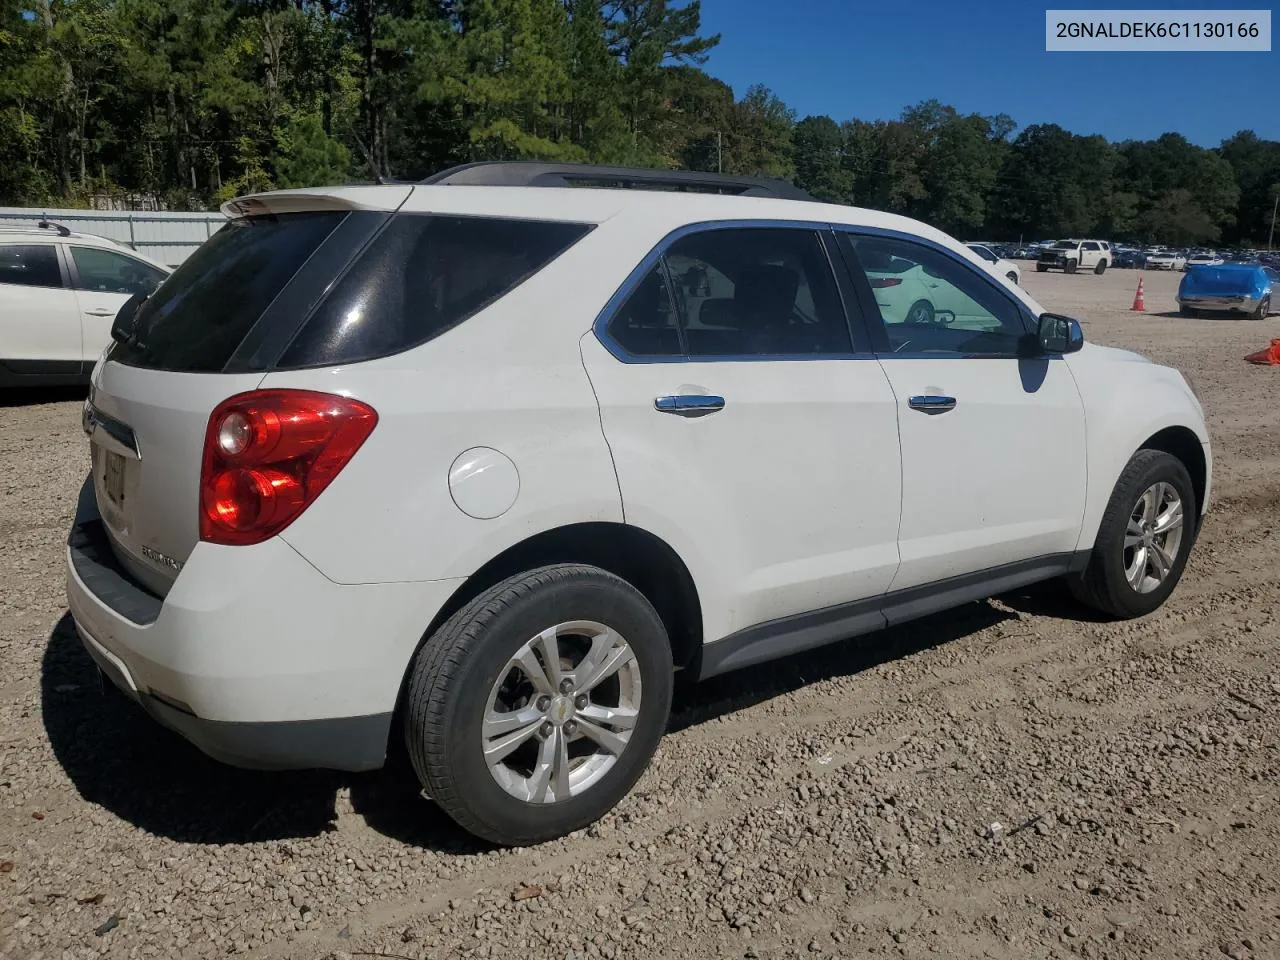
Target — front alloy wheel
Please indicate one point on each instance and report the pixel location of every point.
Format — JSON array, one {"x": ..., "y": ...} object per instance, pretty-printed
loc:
[
  {"x": 1153, "y": 538},
  {"x": 1143, "y": 540}
]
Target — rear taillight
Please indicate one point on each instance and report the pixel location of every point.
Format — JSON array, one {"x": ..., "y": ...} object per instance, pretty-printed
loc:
[
  {"x": 268, "y": 454},
  {"x": 878, "y": 282}
]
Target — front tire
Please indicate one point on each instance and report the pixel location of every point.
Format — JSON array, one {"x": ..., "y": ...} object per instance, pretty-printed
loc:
[
  {"x": 1013, "y": 277},
  {"x": 1042, "y": 268},
  {"x": 1144, "y": 539},
  {"x": 1070, "y": 267},
  {"x": 537, "y": 706}
]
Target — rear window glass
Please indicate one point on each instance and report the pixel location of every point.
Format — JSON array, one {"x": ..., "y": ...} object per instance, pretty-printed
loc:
[
  {"x": 30, "y": 266},
  {"x": 424, "y": 274},
  {"x": 197, "y": 318}
]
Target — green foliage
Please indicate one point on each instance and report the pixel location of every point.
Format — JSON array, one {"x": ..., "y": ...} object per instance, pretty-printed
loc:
[
  {"x": 308, "y": 156},
  {"x": 820, "y": 162},
  {"x": 191, "y": 102}
]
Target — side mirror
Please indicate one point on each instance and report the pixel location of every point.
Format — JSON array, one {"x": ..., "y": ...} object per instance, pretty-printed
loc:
[
  {"x": 1059, "y": 334},
  {"x": 126, "y": 317}
]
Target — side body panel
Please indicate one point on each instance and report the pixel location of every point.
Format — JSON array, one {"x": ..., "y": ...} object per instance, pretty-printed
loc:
[
  {"x": 1127, "y": 400},
  {"x": 510, "y": 379}
]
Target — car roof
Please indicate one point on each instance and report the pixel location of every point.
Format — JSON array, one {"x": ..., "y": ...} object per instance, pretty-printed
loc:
[
  {"x": 26, "y": 235},
  {"x": 667, "y": 209}
]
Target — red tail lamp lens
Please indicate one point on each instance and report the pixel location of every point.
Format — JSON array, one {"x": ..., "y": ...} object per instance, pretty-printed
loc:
[
  {"x": 878, "y": 282},
  {"x": 268, "y": 454}
]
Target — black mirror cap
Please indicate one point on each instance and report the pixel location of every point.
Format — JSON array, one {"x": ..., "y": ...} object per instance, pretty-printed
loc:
[
  {"x": 1059, "y": 334},
  {"x": 126, "y": 317}
]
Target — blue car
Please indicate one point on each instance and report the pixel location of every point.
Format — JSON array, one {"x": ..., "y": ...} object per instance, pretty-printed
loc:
[{"x": 1231, "y": 288}]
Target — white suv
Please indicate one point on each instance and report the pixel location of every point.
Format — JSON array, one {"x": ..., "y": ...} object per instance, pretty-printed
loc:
[
  {"x": 59, "y": 293},
  {"x": 1072, "y": 255},
  {"x": 483, "y": 466}
]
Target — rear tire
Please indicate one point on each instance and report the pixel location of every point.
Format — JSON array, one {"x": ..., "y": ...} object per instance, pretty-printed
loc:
[
  {"x": 1070, "y": 267},
  {"x": 1042, "y": 268},
  {"x": 1187, "y": 312},
  {"x": 1101, "y": 268},
  {"x": 489, "y": 661},
  {"x": 1263, "y": 311},
  {"x": 921, "y": 313},
  {"x": 1135, "y": 564}
]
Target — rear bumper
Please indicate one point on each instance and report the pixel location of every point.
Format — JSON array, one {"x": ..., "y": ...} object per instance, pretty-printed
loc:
[
  {"x": 1225, "y": 304},
  {"x": 253, "y": 656}
]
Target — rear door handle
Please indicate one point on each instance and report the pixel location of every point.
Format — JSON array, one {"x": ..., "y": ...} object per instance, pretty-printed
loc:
[
  {"x": 101, "y": 313},
  {"x": 932, "y": 404},
  {"x": 689, "y": 404}
]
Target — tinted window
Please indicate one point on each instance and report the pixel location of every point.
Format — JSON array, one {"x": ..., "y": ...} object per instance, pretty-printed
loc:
[
  {"x": 1090, "y": 245},
  {"x": 199, "y": 316},
  {"x": 936, "y": 304},
  {"x": 35, "y": 265},
  {"x": 421, "y": 276},
  {"x": 757, "y": 291},
  {"x": 1271, "y": 274},
  {"x": 106, "y": 271},
  {"x": 645, "y": 324}
]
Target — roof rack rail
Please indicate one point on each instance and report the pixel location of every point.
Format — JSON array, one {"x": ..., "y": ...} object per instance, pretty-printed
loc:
[
  {"x": 41, "y": 224},
  {"x": 535, "y": 173}
]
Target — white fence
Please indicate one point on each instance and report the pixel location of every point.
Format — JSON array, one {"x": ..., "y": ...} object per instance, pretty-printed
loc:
[{"x": 167, "y": 237}]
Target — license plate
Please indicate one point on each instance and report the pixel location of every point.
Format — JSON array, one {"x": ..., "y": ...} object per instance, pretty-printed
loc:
[{"x": 113, "y": 478}]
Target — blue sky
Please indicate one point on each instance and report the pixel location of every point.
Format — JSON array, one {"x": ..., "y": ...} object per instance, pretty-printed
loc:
[{"x": 870, "y": 58}]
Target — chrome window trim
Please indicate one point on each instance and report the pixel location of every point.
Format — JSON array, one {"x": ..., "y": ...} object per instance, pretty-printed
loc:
[
  {"x": 1029, "y": 322},
  {"x": 601, "y": 323}
]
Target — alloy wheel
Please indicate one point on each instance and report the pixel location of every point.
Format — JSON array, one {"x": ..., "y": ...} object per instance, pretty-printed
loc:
[
  {"x": 561, "y": 712},
  {"x": 1153, "y": 537}
]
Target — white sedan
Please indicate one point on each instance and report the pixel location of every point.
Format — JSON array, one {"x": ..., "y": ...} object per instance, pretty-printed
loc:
[
  {"x": 997, "y": 265},
  {"x": 909, "y": 293},
  {"x": 1204, "y": 260},
  {"x": 1166, "y": 260}
]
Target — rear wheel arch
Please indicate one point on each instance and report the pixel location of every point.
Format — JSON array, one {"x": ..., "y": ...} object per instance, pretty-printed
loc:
[{"x": 642, "y": 559}]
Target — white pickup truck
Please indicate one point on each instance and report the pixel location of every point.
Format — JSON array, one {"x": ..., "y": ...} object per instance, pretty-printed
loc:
[{"x": 1073, "y": 255}]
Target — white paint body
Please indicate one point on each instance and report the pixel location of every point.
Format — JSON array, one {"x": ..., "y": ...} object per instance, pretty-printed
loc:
[
  {"x": 815, "y": 486},
  {"x": 997, "y": 265},
  {"x": 65, "y": 323}
]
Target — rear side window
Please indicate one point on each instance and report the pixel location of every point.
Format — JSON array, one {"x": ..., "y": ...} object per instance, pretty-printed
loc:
[
  {"x": 30, "y": 265},
  {"x": 199, "y": 316},
  {"x": 645, "y": 325},
  {"x": 423, "y": 275},
  {"x": 105, "y": 271},
  {"x": 757, "y": 292}
]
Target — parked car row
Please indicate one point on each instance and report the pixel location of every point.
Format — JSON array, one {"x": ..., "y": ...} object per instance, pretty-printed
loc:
[{"x": 1124, "y": 256}]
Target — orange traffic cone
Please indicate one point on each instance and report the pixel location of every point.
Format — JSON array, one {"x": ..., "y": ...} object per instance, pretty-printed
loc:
[{"x": 1139, "y": 304}]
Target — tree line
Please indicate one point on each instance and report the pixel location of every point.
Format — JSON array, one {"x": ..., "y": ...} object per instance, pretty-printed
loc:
[{"x": 191, "y": 102}]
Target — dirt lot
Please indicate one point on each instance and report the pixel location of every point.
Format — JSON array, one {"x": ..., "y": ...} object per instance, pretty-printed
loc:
[{"x": 836, "y": 803}]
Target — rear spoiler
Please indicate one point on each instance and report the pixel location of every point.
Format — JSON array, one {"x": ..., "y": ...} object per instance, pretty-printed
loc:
[{"x": 386, "y": 198}]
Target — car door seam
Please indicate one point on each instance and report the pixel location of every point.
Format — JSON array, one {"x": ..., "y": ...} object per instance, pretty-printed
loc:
[{"x": 613, "y": 461}]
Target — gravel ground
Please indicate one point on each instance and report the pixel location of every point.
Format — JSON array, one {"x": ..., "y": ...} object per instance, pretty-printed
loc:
[{"x": 1008, "y": 780}]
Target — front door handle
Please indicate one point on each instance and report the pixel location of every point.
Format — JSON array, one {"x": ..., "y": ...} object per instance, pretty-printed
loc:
[
  {"x": 101, "y": 313},
  {"x": 689, "y": 404},
  {"x": 932, "y": 404}
]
